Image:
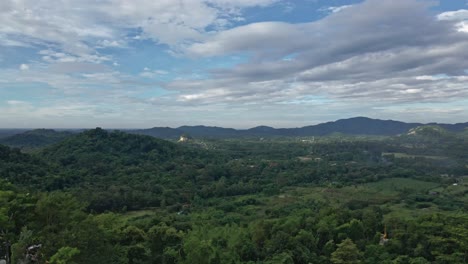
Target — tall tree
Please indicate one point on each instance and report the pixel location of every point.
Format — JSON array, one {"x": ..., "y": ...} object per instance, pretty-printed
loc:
[{"x": 346, "y": 253}]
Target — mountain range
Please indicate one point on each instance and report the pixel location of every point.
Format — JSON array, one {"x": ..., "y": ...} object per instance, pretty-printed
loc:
[
  {"x": 353, "y": 126},
  {"x": 350, "y": 126}
]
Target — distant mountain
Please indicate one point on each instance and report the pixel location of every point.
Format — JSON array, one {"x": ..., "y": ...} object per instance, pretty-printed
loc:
[
  {"x": 208, "y": 131},
  {"x": 35, "y": 138},
  {"x": 196, "y": 131},
  {"x": 7, "y": 132},
  {"x": 357, "y": 126},
  {"x": 159, "y": 132},
  {"x": 262, "y": 130},
  {"x": 350, "y": 126},
  {"x": 458, "y": 127}
]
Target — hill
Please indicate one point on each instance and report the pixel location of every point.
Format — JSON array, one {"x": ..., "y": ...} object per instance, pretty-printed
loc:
[
  {"x": 429, "y": 131},
  {"x": 159, "y": 132},
  {"x": 356, "y": 126},
  {"x": 10, "y": 132},
  {"x": 109, "y": 149},
  {"x": 115, "y": 169},
  {"x": 208, "y": 131},
  {"x": 35, "y": 138},
  {"x": 261, "y": 131}
]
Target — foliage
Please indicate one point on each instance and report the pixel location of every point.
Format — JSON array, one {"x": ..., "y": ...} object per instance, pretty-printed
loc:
[
  {"x": 347, "y": 252},
  {"x": 112, "y": 197},
  {"x": 64, "y": 255}
]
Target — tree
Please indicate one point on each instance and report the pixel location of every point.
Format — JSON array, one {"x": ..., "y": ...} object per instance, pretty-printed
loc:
[
  {"x": 282, "y": 258},
  {"x": 64, "y": 255},
  {"x": 18, "y": 249},
  {"x": 419, "y": 260},
  {"x": 375, "y": 254},
  {"x": 164, "y": 243},
  {"x": 346, "y": 253}
]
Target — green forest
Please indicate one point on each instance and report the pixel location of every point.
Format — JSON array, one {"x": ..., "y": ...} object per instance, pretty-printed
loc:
[{"x": 112, "y": 197}]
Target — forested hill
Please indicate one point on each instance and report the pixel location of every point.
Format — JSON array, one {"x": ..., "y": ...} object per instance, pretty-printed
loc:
[
  {"x": 351, "y": 126},
  {"x": 98, "y": 145},
  {"x": 35, "y": 138},
  {"x": 111, "y": 170},
  {"x": 108, "y": 170}
]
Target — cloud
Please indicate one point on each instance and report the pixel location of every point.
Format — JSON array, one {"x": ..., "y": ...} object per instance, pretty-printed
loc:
[
  {"x": 461, "y": 16},
  {"x": 110, "y": 44},
  {"x": 458, "y": 15},
  {"x": 334, "y": 9},
  {"x": 371, "y": 58},
  {"x": 51, "y": 56},
  {"x": 77, "y": 67},
  {"x": 259, "y": 37},
  {"x": 148, "y": 73},
  {"x": 17, "y": 103},
  {"x": 79, "y": 28},
  {"x": 24, "y": 67},
  {"x": 372, "y": 51}
]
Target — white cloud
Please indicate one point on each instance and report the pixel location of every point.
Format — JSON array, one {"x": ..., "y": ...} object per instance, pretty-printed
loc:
[
  {"x": 334, "y": 9},
  {"x": 110, "y": 44},
  {"x": 148, "y": 73},
  {"x": 17, "y": 103},
  {"x": 24, "y": 67},
  {"x": 462, "y": 26},
  {"x": 52, "y": 56},
  {"x": 458, "y": 15}
]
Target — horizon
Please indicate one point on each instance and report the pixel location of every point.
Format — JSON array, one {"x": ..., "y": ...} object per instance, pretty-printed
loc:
[
  {"x": 231, "y": 63},
  {"x": 224, "y": 127}
]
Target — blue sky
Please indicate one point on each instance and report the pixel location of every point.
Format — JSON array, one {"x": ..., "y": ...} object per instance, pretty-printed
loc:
[{"x": 231, "y": 63}]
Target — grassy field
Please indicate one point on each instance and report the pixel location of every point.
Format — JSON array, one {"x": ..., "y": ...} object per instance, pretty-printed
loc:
[
  {"x": 392, "y": 185},
  {"x": 381, "y": 191},
  {"x": 404, "y": 155}
]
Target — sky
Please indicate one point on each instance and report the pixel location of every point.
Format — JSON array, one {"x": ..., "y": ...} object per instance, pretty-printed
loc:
[{"x": 230, "y": 63}]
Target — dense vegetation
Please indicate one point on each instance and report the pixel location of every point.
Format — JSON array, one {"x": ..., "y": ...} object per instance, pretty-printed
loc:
[{"x": 112, "y": 197}]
